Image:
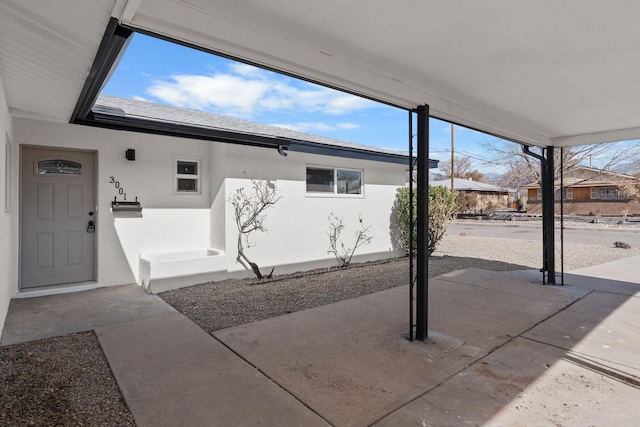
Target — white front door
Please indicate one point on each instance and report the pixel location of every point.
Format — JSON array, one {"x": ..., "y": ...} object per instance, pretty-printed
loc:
[{"x": 58, "y": 203}]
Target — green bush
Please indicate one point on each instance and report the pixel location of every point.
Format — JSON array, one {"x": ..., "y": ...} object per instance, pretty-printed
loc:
[
  {"x": 442, "y": 208},
  {"x": 401, "y": 212}
]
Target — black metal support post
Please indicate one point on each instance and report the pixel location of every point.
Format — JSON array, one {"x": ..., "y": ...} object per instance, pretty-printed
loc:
[
  {"x": 411, "y": 225},
  {"x": 548, "y": 218},
  {"x": 562, "y": 197},
  {"x": 422, "y": 257},
  {"x": 548, "y": 212}
]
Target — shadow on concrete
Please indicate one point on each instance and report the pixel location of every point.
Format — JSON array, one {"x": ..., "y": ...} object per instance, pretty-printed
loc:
[
  {"x": 576, "y": 367},
  {"x": 443, "y": 264},
  {"x": 502, "y": 350}
]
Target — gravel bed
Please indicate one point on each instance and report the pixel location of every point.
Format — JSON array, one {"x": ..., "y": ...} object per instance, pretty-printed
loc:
[
  {"x": 525, "y": 253},
  {"x": 66, "y": 380},
  {"x": 220, "y": 305},
  {"x": 60, "y": 381}
]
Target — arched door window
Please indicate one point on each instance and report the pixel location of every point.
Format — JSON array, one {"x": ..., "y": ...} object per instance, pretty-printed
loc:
[{"x": 59, "y": 167}]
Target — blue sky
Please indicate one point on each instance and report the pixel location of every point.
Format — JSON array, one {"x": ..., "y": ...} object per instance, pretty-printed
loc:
[{"x": 158, "y": 71}]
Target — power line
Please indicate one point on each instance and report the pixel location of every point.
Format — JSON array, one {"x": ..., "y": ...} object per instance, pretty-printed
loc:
[{"x": 472, "y": 156}]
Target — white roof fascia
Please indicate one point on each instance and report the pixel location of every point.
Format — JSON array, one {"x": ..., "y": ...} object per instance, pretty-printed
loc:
[{"x": 595, "y": 138}]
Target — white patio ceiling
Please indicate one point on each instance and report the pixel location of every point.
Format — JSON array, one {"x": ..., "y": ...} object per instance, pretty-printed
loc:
[{"x": 542, "y": 72}]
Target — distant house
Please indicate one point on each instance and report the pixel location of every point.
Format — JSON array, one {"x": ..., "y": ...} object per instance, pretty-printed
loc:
[
  {"x": 486, "y": 195},
  {"x": 587, "y": 191}
]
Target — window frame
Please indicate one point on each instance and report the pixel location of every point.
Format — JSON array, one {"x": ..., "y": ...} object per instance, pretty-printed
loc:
[
  {"x": 568, "y": 193},
  {"x": 608, "y": 193},
  {"x": 178, "y": 176},
  {"x": 565, "y": 193},
  {"x": 334, "y": 193}
]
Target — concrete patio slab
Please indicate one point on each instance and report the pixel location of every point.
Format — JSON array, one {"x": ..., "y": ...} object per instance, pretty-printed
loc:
[
  {"x": 474, "y": 275},
  {"x": 623, "y": 269},
  {"x": 35, "y": 318},
  {"x": 621, "y": 276},
  {"x": 524, "y": 383},
  {"x": 602, "y": 328},
  {"x": 606, "y": 304},
  {"x": 571, "y": 394},
  {"x": 349, "y": 361},
  {"x": 343, "y": 361},
  {"x": 603, "y": 284},
  {"x": 505, "y": 351},
  {"x": 578, "y": 367},
  {"x": 172, "y": 373},
  {"x": 527, "y": 281},
  {"x": 487, "y": 308}
]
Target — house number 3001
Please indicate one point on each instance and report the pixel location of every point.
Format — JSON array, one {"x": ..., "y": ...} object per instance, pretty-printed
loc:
[{"x": 112, "y": 180}]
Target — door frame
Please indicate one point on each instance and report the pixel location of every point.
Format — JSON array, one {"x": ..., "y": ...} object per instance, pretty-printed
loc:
[{"x": 96, "y": 217}]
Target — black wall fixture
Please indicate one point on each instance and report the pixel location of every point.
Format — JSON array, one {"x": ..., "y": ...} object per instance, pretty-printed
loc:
[{"x": 130, "y": 154}]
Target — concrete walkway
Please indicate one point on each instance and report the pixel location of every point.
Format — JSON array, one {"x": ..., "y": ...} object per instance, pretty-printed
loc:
[
  {"x": 49, "y": 316},
  {"x": 503, "y": 350}
]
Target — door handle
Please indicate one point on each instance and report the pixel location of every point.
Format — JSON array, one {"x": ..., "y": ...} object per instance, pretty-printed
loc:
[{"x": 91, "y": 228}]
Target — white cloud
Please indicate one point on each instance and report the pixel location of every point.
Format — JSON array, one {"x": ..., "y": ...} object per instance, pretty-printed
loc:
[
  {"x": 346, "y": 103},
  {"x": 348, "y": 125},
  {"x": 246, "y": 70},
  {"x": 247, "y": 91},
  {"x": 222, "y": 91}
]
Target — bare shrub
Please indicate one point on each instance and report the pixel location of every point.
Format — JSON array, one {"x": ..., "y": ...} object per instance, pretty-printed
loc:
[
  {"x": 249, "y": 211},
  {"x": 342, "y": 252}
]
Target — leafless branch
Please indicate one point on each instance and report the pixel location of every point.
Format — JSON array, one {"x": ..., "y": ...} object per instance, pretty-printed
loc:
[
  {"x": 342, "y": 252},
  {"x": 249, "y": 212}
]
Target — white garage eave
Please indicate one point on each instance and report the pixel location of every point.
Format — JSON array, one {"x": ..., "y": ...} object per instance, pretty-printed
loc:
[
  {"x": 596, "y": 138},
  {"x": 542, "y": 73},
  {"x": 322, "y": 68}
]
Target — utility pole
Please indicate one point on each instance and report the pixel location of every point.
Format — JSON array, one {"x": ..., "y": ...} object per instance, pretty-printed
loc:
[{"x": 452, "y": 166}]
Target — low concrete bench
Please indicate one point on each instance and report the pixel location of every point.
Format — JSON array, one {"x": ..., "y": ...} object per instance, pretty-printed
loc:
[{"x": 162, "y": 271}]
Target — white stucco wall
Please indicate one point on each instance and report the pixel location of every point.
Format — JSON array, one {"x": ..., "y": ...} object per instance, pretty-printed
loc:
[
  {"x": 8, "y": 218},
  {"x": 297, "y": 226},
  {"x": 218, "y": 195},
  {"x": 168, "y": 221}
]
